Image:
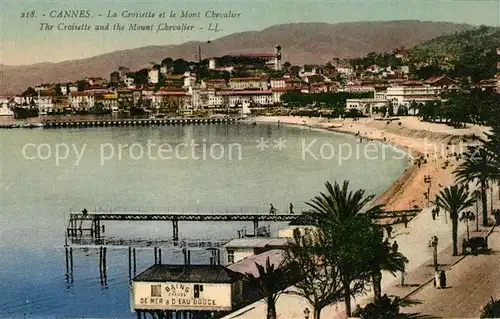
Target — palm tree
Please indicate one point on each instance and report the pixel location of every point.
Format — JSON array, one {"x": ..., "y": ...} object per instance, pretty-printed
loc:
[
  {"x": 269, "y": 283},
  {"x": 386, "y": 258},
  {"x": 491, "y": 309},
  {"x": 477, "y": 166},
  {"x": 341, "y": 203},
  {"x": 466, "y": 217},
  {"x": 339, "y": 208},
  {"x": 454, "y": 199}
]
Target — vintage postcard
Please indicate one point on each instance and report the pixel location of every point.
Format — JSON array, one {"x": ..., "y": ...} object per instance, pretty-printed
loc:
[{"x": 249, "y": 159}]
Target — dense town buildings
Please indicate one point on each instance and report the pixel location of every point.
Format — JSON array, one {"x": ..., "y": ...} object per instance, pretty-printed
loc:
[{"x": 264, "y": 86}]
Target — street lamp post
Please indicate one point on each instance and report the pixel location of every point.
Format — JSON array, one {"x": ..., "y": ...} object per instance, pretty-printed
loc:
[
  {"x": 434, "y": 244},
  {"x": 428, "y": 180}
]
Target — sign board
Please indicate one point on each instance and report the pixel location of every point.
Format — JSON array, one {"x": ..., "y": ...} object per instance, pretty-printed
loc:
[{"x": 181, "y": 296}]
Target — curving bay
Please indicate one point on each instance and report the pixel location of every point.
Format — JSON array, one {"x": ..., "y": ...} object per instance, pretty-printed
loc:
[{"x": 201, "y": 169}]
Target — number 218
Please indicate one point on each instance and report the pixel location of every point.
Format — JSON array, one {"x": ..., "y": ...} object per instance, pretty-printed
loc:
[{"x": 29, "y": 14}]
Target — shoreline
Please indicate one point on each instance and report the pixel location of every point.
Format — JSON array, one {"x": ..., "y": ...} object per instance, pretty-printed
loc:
[{"x": 431, "y": 151}]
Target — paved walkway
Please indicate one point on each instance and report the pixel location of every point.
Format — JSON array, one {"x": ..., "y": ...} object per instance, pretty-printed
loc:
[
  {"x": 413, "y": 242},
  {"x": 472, "y": 282}
]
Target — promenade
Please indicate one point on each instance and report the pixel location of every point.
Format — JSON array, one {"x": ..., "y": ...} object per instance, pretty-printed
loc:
[
  {"x": 413, "y": 242},
  {"x": 471, "y": 283}
]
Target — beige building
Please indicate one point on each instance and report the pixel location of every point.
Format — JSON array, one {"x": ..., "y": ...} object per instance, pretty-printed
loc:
[
  {"x": 365, "y": 106},
  {"x": 241, "y": 248},
  {"x": 194, "y": 290},
  {"x": 248, "y": 83},
  {"x": 287, "y": 232},
  {"x": 81, "y": 101}
]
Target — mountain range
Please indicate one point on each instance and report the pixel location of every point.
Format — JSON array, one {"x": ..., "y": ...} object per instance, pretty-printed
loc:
[{"x": 302, "y": 43}]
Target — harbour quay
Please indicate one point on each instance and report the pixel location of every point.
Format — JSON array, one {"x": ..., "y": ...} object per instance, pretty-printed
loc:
[{"x": 137, "y": 122}]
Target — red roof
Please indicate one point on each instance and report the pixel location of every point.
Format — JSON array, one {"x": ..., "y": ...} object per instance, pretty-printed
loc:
[
  {"x": 245, "y": 92},
  {"x": 361, "y": 86},
  {"x": 165, "y": 92},
  {"x": 255, "y": 78},
  {"x": 434, "y": 79},
  {"x": 412, "y": 83},
  {"x": 81, "y": 94},
  {"x": 285, "y": 89}
]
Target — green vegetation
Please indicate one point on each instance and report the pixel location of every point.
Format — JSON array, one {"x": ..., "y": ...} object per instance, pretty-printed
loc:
[
  {"x": 23, "y": 113},
  {"x": 477, "y": 167},
  {"x": 455, "y": 45},
  {"x": 461, "y": 107},
  {"x": 269, "y": 283},
  {"x": 471, "y": 54},
  {"x": 454, "y": 199},
  {"x": 348, "y": 250},
  {"x": 383, "y": 59},
  {"x": 345, "y": 252},
  {"x": 491, "y": 309},
  {"x": 329, "y": 100}
]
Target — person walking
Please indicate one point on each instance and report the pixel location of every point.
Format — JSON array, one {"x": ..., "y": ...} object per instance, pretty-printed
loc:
[
  {"x": 272, "y": 210},
  {"x": 291, "y": 208}
]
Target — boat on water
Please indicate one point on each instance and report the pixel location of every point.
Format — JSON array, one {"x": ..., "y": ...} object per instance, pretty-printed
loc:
[
  {"x": 32, "y": 125},
  {"x": 6, "y": 111}
]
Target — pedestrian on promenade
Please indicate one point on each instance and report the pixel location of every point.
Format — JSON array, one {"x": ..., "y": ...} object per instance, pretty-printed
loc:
[
  {"x": 291, "y": 208},
  {"x": 405, "y": 221},
  {"x": 433, "y": 214},
  {"x": 272, "y": 210},
  {"x": 442, "y": 279},
  {"x": 389, "y": 231}
]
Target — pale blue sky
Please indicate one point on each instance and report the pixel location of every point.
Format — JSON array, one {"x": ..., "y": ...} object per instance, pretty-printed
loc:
[{"x": 23, "y": 43}]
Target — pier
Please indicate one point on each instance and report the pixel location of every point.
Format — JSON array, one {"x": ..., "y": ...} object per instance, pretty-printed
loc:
[
  {"x": 94, "y": 229},
  {"x": 54, "y": 124},
  {"x": 20, "y": 125},
  {"x": 137, "y": 122}
]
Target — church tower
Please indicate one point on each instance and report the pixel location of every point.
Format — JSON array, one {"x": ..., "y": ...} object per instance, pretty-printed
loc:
[{"x": 277, "y": 58}]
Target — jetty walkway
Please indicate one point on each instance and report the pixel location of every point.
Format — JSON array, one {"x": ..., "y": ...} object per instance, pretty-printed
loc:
[
  {"x": 93, "y": 227},
  {"x": 54, "y": 124},
  {"x": 76, "y": 221}
]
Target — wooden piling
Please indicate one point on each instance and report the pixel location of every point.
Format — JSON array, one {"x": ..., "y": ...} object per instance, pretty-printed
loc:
[
  {"x": 135, "y": 264},
  {"x": 156, "y": 255},
  {"x": 100, "y": 265},
  {"x": 71, "y": 258},
  {"x": 130, "y": 262},
  {"x": 67, "y": 261},
  {"x": 104, "y": 267},
  {"x": 159, "y": 256}
]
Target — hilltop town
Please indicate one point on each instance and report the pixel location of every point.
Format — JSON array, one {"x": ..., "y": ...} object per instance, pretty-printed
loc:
[{"x": 400, "y": 82}]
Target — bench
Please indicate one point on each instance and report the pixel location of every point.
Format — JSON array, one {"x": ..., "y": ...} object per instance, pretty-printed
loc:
[{"x": 475, "y": 243}]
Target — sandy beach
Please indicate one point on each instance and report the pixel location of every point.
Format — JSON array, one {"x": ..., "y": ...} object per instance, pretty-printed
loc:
[{"x": 436, "y": 143}]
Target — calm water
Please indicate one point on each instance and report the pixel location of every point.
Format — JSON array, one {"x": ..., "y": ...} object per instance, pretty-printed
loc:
[{"x": 36, "y": 196}]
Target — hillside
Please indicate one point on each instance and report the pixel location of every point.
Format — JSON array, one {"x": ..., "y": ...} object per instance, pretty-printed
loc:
[
  {"x": 301, "y": 42},
  {"x": 483, "y": 38}
]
